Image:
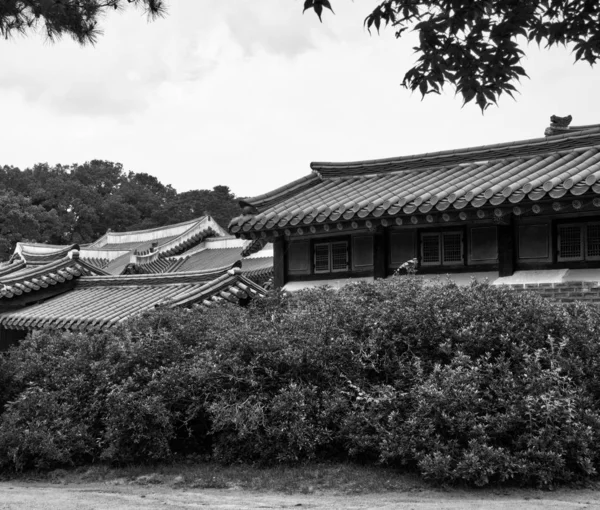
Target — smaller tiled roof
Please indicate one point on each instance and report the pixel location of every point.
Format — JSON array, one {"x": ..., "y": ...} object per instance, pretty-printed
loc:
[
  {"x": 139, "y": 247},
  {"x": 98, "y": 262},
  {"x": 11, "y": 267},
  {"x": 167, "y": 240},
  {"x": 30, "y": 279},
  {"x": 101, "y": 302},
  {"x": 117, "y": 266},
  {"x": 259, "y": 270},
  {"x": 254, "y": 247},
  {"x": 215, "y": 243},
  {"x": 163, "y": 265},
  {"x": 37, "y": 254},
  {"x": 208, "y": 259},
  {"x": 220, "y": 253}
]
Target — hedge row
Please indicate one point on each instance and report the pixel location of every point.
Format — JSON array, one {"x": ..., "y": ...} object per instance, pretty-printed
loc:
[{"x": 463, "y": 384}]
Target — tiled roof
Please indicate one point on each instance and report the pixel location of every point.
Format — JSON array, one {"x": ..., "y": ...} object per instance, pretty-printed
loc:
[
  {"x": 491, "y": 175},
  {"x": 259, "y": 270},
  {"x": 35, "y": 254},
  {"x": 167, "y": 240},
  {"x": 11, "y": 267},
  {"x": 140, "y": 247},
  {"x": 208, "y": 259},
  {"x": 254, "y": 247},
  {"x": 118, "y": 265},
  {"x": 185, "y": 241},
  {"x": 98, "y": 262},
  {"x": 35, "y": 278},
  {"x": 101, "y": 302},
  {"x": 256, "y": 264},
  {"x": 160, "y": 265}
]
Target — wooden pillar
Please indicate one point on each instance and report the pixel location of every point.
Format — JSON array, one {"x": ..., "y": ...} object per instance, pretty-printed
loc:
[
  {"x": 278, "y": 262},
  {"x": 506, "y": 248},
  {"x": 379, "y": 254}
]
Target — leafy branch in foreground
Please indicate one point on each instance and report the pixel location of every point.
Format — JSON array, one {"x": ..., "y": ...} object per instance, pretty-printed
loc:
[
  {"x": 77, "y": 18},
  {"x": 476, "y": 45}
]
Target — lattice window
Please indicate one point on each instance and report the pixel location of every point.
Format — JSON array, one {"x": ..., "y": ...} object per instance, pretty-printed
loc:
[
  {"x": 593, "y": 241},
  {"x": 570, "y": 241},
  {"x": 339, "y": 256},
  {"x": 322, "y": 258},
  {"x": 442, "y": 248},
  {"x": 331, "y": 257},
  {"x": 453, "y": 247},
  {"x": 430, "y": 249}
]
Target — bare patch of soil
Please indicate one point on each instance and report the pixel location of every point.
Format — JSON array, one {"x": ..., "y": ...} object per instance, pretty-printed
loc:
[
  {"x": 191, "y": 484},
  {"x": 119, "y": 494}
]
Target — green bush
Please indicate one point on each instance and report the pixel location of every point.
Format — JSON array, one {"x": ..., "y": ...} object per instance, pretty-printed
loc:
[
  {"x": 38, "y": 431},
  {"x": 472, "y": 384}
]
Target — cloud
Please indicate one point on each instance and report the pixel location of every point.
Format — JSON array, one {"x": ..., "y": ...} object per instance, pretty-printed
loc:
[
  {"x": 274, "y": 29},
  {"x": 134, "y": 59}
]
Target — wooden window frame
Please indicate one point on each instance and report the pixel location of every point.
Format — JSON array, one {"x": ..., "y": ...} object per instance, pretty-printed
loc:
[
  {"x": 329, "y": 243},
  {"x": 440, "y": 234},
  {"x": 583, "y": 228}
]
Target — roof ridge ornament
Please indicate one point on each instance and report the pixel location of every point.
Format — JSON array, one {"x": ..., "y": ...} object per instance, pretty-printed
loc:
[{"x": 558, "y": 125}]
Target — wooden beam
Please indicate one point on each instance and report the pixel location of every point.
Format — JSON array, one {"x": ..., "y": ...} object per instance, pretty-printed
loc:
[
  {"x": 278, "y": 262},
  {"x": 506, "y": 248},
  {"x": 379, "y": 254}
]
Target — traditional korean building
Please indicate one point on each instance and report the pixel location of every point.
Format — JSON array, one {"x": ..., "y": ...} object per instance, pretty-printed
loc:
[
  {"x": 122, "y": 274},
  {"x": 520, "y": 213}
]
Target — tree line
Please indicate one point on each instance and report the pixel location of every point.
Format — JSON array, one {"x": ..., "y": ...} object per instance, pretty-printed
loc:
[{"x": 66, "y": 204}]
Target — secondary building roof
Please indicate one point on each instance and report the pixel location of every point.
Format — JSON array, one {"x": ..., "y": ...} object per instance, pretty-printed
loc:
[
  {"x": 103, "y": 301},
  {"x": 214, "y": 252},
  {"x": 168, "y": 240},
  {"x": 37, "y": 254},
  {"x": 28, "y": 280},
  {"x": 491, "y": 175}
]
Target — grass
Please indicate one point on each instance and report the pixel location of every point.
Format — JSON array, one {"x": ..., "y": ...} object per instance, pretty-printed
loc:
[{"x": 340, "y": 478}]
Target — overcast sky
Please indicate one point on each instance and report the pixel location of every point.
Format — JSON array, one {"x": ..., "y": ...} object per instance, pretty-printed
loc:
[{"x": 247, "y": 93}]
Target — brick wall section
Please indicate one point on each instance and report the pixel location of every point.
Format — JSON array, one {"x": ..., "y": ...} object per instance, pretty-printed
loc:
[{"x": 566, "y": 292}]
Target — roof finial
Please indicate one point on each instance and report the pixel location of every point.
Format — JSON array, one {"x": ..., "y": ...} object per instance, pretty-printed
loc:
[{"x": 558, "y": 125}]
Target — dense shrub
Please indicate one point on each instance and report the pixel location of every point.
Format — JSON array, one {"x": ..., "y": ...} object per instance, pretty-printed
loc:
[{"x": 469, "y": 384}]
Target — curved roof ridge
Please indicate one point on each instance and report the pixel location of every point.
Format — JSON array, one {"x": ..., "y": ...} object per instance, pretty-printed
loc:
[
  {"x": 12, "y": 267},
  {"x": 158, "y": 229},
  {"x": 120, "y": 236},
  {"x": 48, "y": 247},
  {"x": 266, "y": 199},
  {"x": 40, "y": 277},
  {"x": 189, "y": 238},
  {"x": 154, "y": 278},
  {"x": 54, "y": 266},
  {"x": 547, "y": 142},
  {"x": 40, "y": 256}
]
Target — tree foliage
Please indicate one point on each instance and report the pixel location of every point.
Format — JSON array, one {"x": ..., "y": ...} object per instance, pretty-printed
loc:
[
  {"x": 77, "y": 18},
  {"x": 21, "y": 220},
  {"x": 79, "y": 203},
  {"x": 476, "y": 45}
]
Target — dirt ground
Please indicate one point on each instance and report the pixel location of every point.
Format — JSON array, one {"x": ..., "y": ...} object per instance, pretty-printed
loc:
[{"x": 44, "y": 496}]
